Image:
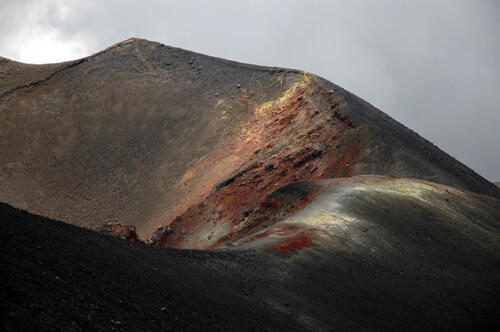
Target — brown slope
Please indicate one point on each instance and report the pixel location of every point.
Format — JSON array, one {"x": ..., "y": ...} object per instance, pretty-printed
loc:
[
  {"x": 111, "y": 137},
  {"x": 141, "y": 132}
]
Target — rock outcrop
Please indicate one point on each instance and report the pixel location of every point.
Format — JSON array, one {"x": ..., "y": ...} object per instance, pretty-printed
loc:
[{"x": 114, "y": 228}]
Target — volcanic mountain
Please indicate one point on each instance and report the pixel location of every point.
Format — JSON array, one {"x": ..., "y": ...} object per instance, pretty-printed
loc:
[
  {"x": 156, "y": 136},
  {"x": 320, "y": 211}
]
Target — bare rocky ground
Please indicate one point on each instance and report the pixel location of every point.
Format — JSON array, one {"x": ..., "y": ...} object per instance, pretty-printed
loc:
[
  {"x": 143, "y": 132},
  {"x": 382, "y": 261}
]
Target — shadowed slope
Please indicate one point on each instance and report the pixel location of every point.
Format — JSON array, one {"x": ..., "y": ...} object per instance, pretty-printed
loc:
[
  {"x": 376, "y": 253},
  {"x": 142, "y": 133}
]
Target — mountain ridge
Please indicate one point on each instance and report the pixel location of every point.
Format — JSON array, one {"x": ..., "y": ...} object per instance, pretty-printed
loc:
[{"x": 133, "y": 120}]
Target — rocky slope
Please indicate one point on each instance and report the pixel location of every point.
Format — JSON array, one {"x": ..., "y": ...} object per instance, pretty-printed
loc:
[
  {"x": 144, "y": 133},
  {"x": 302, "y": 213}
]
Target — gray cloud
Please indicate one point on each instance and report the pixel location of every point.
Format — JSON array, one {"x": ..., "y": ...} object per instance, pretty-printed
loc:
[{"x": 433, "y": 65}]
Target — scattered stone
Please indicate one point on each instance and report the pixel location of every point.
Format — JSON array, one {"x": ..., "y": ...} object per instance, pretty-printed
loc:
[
  {"x": 114, "y": 228},
  {"x": 269, "y": 165}
]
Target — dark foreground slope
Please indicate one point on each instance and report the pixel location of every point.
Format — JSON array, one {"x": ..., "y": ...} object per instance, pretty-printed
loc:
[
  {"x": 364, "y": 254},
  {"x": 141, "y": 132}
]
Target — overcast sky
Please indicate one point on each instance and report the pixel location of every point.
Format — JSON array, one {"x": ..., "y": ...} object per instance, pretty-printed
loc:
[{"x": 432, "y": 65}]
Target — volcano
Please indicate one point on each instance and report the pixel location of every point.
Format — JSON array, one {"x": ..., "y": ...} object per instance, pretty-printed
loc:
[
  {"x": 276, "y": 166},
  {"x": 142, "y": 132}
]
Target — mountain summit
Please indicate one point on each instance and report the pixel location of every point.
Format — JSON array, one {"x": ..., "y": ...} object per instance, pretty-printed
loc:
[{"x": 145, "y": 133}]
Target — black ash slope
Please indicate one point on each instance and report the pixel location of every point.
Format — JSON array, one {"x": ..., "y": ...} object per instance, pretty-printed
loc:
[{"x": 56, "y": 276}]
